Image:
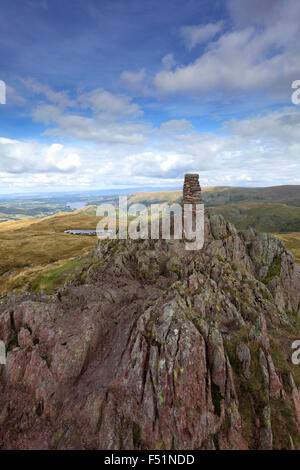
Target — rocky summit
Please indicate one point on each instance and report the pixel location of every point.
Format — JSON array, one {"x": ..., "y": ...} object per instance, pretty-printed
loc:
[{"x": 155, "y": 347}]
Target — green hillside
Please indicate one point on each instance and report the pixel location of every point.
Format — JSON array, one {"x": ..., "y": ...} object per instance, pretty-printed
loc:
[
  {"x": 274, "y": 209},
  {"x": 219, "y": 196},
  {"x": 263, "y": 216},
  {"x": 292, "y": 243}
]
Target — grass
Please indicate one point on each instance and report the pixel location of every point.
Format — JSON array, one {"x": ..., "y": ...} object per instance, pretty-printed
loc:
[
  {"x": 251, "y": 391},
  {"x": 274, "y": 210},
  {"x": 263, "y": 216},
  {"x": 273, "y": 271},
  {"x": 155, "y": 197},
  {"x": 282, "y": 410},
  {"x": 52, "y": 278},
  {"x": 289, "y": 194},
  {"x": 292, "y": 243},
  {"x": 31, "y": 249}
]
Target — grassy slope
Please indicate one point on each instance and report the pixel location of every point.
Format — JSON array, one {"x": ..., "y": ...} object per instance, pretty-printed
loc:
[
  {"x": 263, "y": 216},
  {"x": 155, "y": 197},
  {"x": 289, "y": 195},
  {"x": 260, "y": 214},
  {"x": 292, "y": 243},
  {"x": 30, "y": 248},
  {"x": 11, "y": 210}
]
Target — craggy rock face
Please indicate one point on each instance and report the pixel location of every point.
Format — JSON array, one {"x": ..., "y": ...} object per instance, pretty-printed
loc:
[{"x": 160, "y": 348}]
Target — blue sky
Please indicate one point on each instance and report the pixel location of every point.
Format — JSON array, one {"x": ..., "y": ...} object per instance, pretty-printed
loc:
[{"x": 114, "y": 93}]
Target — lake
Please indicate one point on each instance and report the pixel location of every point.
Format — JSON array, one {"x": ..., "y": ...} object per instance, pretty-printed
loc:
[
  {"x": 81, "y": 232},
  {"x": 76, "y": 205},
  {"x": 86, "y": 232}
]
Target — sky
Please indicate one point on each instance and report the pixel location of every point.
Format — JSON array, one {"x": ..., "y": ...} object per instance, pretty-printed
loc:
[{"x": 135, "y": 93}]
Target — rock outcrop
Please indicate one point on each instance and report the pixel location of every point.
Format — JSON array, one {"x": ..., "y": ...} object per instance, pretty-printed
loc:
[{"x": 158, "y": 348}]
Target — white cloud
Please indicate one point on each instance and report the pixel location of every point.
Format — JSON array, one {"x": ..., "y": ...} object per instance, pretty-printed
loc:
[
  {"x": 197, "y": 34},
  {"x": 256, "y": 11},
  {"x": 255, "y": 55},
  {"x": 254, "y": 151},
  {"x": 133, "y": 80},
  {"x": 280, "y": 126},
  {"x": 168, "y": 61},
  {"x": 60, "y": 98},
  {"x": 93, "y": 129},
  {"x": 112, "y": 145},
  {"x": 13, "y": 97},
  {"x": 138, "y": 83},
  {"x": 70, "y": 162},
  {"x": 100, "y": 117},
  {"x": 176, "y": 127},
  {"x": 17, "y": 157},
  {"x": 109, "y": 105}
]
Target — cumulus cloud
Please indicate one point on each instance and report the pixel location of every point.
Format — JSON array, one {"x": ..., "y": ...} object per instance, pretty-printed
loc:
[
  {"x": 197, "y": 34},
  {"x": 13, "y": 97},
  {"x": 60, "y": 98},
  {"x": 176, "y": 126},
  {"x": 248, "y": 152},
  {"x": 31, "y": 157},
  {"x": 109, "y": 105},
  {"x": 114, "y": 145},
  {"x": 253, "y": 151},
  {"x": 102, "y": 128},
  {"x": 260, "y": 54},
  {"x": 133, "y": 80},
  {"x": 168, "y": 61},
  {"x": 99, "y": 116},
  {"x": 256, "y": 11},
  {"x": 282, "y": 126}
]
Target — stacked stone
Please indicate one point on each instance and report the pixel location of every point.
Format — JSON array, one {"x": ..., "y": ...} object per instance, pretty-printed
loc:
[{"x": 191, "y": 189}]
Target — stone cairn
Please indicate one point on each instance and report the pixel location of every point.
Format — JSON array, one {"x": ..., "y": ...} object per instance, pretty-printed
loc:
[
  {"x": 191, "y": 195},
  {"x": 191, "y": 189}
]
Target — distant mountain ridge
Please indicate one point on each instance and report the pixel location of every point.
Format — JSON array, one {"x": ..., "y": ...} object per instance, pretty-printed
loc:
[
  {"x": 222, "y": 195},
  {"x": 42, "y": 206},
  {"x": 289, "y": 195},
  {"x": 273, "y": 209}
]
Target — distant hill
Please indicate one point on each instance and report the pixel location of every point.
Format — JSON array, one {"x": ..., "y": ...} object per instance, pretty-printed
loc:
[
  {"x": 219, "y": 196},
  {"x": 263, "y": 216},
  {"x": 274, "y": 209},
  {"x": 223, "y": 195},
  {"x": 40, "y": 207},
  {"x": 156, "y": 197}
]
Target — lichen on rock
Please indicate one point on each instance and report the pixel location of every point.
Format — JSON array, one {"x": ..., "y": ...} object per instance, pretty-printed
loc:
[{"x": 158, "y": 348}]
